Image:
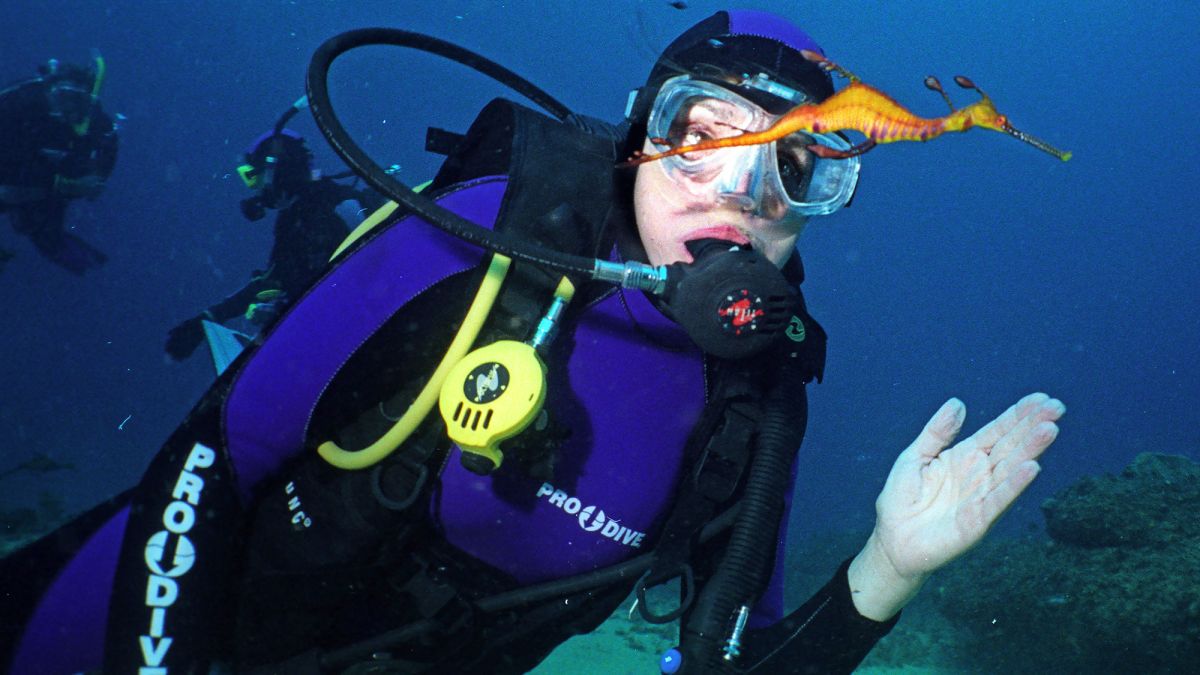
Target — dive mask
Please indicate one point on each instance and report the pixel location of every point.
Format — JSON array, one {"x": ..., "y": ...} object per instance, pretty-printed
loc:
[
  {"x": 688, "y": 110},
  {"x": 249, "y": 174},
  {"x": 69, "y": 101},
  {"x": 261, "y": 179},
  {"x": 256, "y": 177}
]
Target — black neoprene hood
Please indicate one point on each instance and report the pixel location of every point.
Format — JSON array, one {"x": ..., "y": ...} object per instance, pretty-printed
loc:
[{"x": 739, "y": 43}]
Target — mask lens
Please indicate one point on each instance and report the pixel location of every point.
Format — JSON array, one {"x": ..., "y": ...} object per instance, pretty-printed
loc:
[
  {"x": 795, "y": 164},
  {"x": 688, "y": 111},
  {"x": 250, "y": 175},
  {"x": 794, "y": 178},
  {"x": 700, "y": 118},
  {"x": 832, "y": 181},
  {"x": 69, "y": 100}
]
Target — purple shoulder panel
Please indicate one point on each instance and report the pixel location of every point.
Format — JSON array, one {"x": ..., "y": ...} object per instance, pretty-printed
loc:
[
  {"x": 66, "y": 632},
  {"x": 630, "y": 404}
]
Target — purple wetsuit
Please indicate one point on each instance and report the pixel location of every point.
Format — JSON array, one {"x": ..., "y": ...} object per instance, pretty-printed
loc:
[
  {"x": 641, "y": 388},
  {"x": 637, "y": 376}
]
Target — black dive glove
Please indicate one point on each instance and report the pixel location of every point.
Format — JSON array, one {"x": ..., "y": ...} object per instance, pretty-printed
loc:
[{"x": 183, "y": 339}]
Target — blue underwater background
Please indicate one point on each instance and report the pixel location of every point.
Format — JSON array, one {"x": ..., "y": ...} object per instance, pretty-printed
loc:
[{"x": 971, "y": 266}]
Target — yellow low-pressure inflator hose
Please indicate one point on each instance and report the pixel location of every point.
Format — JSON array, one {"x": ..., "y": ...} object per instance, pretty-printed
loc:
[{"x": 481, "y": 306}]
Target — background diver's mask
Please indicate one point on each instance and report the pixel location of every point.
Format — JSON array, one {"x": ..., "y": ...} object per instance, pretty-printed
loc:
[
  {"x": 261, "y": 179},
  {"x": 69, "y": 101},
  {"x": 275, "y": 167},
  {"x": 71, "y": 89},
  {"x": 780, "y": 180}
]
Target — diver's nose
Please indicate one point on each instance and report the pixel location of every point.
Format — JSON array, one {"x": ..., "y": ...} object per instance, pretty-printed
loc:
[
  {"x": 742, "y": 202},
  {"x": 739, "y": 194}
]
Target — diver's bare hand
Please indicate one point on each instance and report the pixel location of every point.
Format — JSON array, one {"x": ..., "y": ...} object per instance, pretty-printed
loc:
[{"x": 939, "y": 501}]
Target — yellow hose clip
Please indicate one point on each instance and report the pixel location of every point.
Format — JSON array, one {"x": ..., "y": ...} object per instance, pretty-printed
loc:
[
  {"x": 496, "y": 391},
  {"x": 416, "y": 413}
]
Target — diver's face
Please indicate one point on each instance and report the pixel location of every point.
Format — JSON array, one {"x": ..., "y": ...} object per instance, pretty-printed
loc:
[
  {"x": 733, "y": 194},
  {"x": 69, "y": 102},
  {"x": 670, "y": 214}
]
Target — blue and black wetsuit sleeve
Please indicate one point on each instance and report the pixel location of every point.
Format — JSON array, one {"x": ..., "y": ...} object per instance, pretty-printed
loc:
[
  {"x": 104, "y": 144},
  {"x": 235, "y": 303},
  {"x": 368, "y": 200},
  {"x": 825, "y": 635},
  {"x": 25, "y": 126},
  {"x": 329, "y": 193}
]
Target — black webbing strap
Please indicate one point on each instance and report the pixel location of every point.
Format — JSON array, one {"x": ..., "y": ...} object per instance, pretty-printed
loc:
[
  {"x": 442, "y": 142},
  {"x": 720, "y": 445}
]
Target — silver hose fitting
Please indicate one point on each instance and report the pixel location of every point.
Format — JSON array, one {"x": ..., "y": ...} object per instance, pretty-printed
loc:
[
  {"x": 733, "y": 646},
  {"x": 632, "y": 275}
]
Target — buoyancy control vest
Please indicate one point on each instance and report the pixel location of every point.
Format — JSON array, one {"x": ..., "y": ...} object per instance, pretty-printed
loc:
[
  {"x": 182, "y": 529},
  {"x": 531, "y": 512},
  {"x": 584, "y": 510}
]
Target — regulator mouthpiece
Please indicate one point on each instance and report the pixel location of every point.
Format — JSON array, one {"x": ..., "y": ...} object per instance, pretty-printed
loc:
[{"x": 732, "y": 301}]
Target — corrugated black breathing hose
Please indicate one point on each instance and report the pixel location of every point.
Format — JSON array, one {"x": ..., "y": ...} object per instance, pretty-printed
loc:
[
  {"x": 749, "y": 558},
  {"x": 317, "y": 89}
]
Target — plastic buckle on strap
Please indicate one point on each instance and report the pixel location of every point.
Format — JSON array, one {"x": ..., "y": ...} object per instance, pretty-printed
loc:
[
  {"x": 437, "y": 599},
  {"x": 688, "y": 585},
  {"x": 422, "y": 475}
]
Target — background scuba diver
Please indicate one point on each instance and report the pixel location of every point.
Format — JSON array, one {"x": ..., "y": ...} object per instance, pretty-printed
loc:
[
  {"x": 335, "y": 570},
  {"x": 56, "y": 144},
  {"x": 278, "y": 166}
]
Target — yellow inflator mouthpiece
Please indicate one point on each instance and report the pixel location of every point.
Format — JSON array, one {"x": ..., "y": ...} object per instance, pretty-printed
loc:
[{"x": 491, "y": 395}]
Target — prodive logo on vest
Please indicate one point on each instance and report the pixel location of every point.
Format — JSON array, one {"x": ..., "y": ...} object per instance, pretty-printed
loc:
[
  {"x": 592, "y": 519},
  {"x": 170, "y": 555}
]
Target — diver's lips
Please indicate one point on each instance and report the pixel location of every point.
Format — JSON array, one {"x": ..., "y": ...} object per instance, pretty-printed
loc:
[{"x": 723, "y": 232}]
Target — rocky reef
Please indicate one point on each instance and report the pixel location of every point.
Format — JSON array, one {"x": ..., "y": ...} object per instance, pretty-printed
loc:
[
  {"x": 1115, "y": 588},
  {"x": 20, "y": 526}
]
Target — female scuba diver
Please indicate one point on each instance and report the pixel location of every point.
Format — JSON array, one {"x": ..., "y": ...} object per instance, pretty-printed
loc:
[{"x": 312, "y": 515}]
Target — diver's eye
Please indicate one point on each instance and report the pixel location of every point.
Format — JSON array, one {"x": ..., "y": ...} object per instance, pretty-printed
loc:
[
  {"x": 700, "y": 119},
  {"x": 692, "y": 137},
  {"x": 795, "y": 176}
]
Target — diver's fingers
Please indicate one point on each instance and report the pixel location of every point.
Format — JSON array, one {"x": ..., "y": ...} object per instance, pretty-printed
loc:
[
  {"x": 1019, "y": 438},
  {"x": 1002, "y": 496},
  {"x": 994, "y": 431},
  {"x": 1029, "y": 449},
  {"x": 940, "y": 431}
]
